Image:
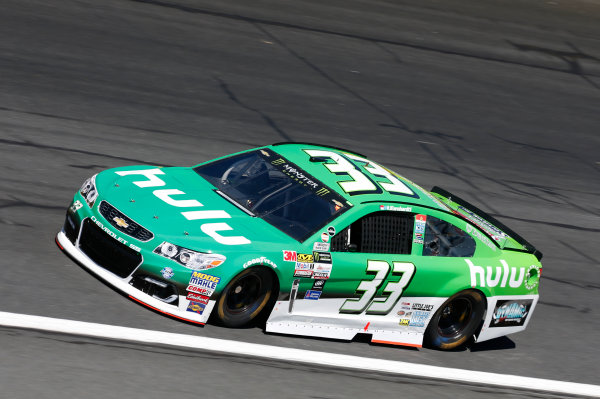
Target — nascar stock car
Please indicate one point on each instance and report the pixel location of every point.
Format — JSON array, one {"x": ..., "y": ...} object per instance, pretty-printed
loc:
[{"x": 318, "y": 241}]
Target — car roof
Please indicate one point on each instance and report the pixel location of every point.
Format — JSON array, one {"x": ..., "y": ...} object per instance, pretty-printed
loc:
[{"x": 295, "y": 152}]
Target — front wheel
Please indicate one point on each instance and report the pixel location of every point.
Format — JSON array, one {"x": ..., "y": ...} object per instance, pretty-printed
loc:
[
  {"x": 246, "y": 295},
  {"x": 456, "y": 320}
]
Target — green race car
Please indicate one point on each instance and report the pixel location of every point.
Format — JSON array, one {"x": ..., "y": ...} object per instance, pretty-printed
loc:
[{"x": 321, "y": 241}]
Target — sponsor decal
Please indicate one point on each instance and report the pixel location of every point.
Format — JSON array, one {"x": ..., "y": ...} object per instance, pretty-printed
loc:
[
  {"x": 76, "y": 206},
  {"x": 331, "y": 230},
  {"x": 196, "y": 307},
  {"x": 303, "y": 273},
  {"x": 420, "y": 221},
  {"x": 151, "y": 179},
  {"x": 300, "y": 177},
  {"x": 395, "y": 208},
  {"x": 260, "y": 261},
  {"x": 322, "y": 257},
  {"x": 401, "y": 313},
  {"x": 404, "y": 322},
  {"x": 314, "y": 295},
  {"x": 113, "y": 235},
  {"x": 304, "y": 266},
  {"x": 198, "y": 290},
  {"x": 203, "y": 284},
  {"x": 322, "y": 267},
  {"x": 192, "y": 296},
  {"x": 321, "y": 275},
  {"x": 474, "y": 232},
  {"x": 511, "y": 313},
  {"x": 167, "y": 272},
  {"x": 422, "y": 306},
  {"x": 308, "y": 258},
  {"x": 325, "y": 236},
  {"x": 418, "y": 318},
  {"x": 496, "y": 277},
  {"x": 289, "y": 256},
  {"x": 532, "y": 279},
  {"x": 495, "y": 232},
  {"x": 318, "y": 285},
  {"x": 321, "y": 246}
]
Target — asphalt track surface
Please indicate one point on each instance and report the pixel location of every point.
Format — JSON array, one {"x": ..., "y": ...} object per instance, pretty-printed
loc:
[{"x": 498, "y": 103}]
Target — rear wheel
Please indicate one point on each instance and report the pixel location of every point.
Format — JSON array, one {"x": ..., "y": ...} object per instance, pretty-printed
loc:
[
  {"x": 246, "y": 296},
  {"x": 456, "y": 320}
]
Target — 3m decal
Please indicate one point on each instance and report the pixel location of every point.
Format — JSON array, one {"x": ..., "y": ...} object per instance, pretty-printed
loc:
[
  {"x": 511, "y": 313},
  {"x": 211, "y": 229},
  {"x": 289, "y": 256},
  {"x": 367, "y": 300}
]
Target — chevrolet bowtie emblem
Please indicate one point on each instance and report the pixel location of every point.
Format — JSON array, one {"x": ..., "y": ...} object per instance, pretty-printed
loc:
[{"x": 120, "y": 222}]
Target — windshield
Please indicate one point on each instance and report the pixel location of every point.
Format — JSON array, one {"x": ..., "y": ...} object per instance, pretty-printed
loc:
[{"x": 270, "y": 187}]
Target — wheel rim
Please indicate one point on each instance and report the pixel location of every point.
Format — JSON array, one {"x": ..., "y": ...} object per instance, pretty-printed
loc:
[
  {"x": 245, "y": 294},
  {"x": 455, "y": 317}
]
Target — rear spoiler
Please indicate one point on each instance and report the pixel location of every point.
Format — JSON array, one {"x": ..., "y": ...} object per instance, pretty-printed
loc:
[{"x": 496, "y": 223}]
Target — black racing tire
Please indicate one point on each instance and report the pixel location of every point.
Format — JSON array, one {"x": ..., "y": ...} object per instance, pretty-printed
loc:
[
  {"x": 246, "y": 296},
  {"x": 455, "y": 321}
]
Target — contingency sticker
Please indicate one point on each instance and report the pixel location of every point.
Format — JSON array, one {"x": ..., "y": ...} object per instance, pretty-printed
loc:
[
  {"x": 420, "y": 221},
  {"x": 511, "y": 313},
  {"x": 203, "y": 284}
]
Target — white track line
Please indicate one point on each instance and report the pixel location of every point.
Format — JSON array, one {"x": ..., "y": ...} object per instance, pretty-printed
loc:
[{"x": 294, "y": 355}]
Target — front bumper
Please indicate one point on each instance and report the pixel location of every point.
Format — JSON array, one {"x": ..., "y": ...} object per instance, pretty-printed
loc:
[{"x": 123, "y": 284}]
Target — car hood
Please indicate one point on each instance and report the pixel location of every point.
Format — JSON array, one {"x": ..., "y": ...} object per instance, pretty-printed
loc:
[{"x": 179, "y": 206}]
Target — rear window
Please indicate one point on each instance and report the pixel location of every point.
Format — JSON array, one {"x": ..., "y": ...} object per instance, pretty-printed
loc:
[{"x": 444, "y": 239}]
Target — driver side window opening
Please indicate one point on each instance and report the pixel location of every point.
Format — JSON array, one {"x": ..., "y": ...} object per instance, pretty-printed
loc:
[
  {"x": 444, "y": 239},
  {"x": 380, "y": 232}
]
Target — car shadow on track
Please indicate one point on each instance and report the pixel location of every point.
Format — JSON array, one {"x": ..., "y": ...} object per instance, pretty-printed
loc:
[{"x": 495, "y": 344}]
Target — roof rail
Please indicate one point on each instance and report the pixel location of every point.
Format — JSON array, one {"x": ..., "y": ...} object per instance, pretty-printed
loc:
[{"x": 320, "y": 145}]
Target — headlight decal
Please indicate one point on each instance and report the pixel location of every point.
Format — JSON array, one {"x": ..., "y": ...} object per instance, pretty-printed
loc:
[
  {"x": 88, "y": 190},
  {"x": 187, "y": 258}
]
